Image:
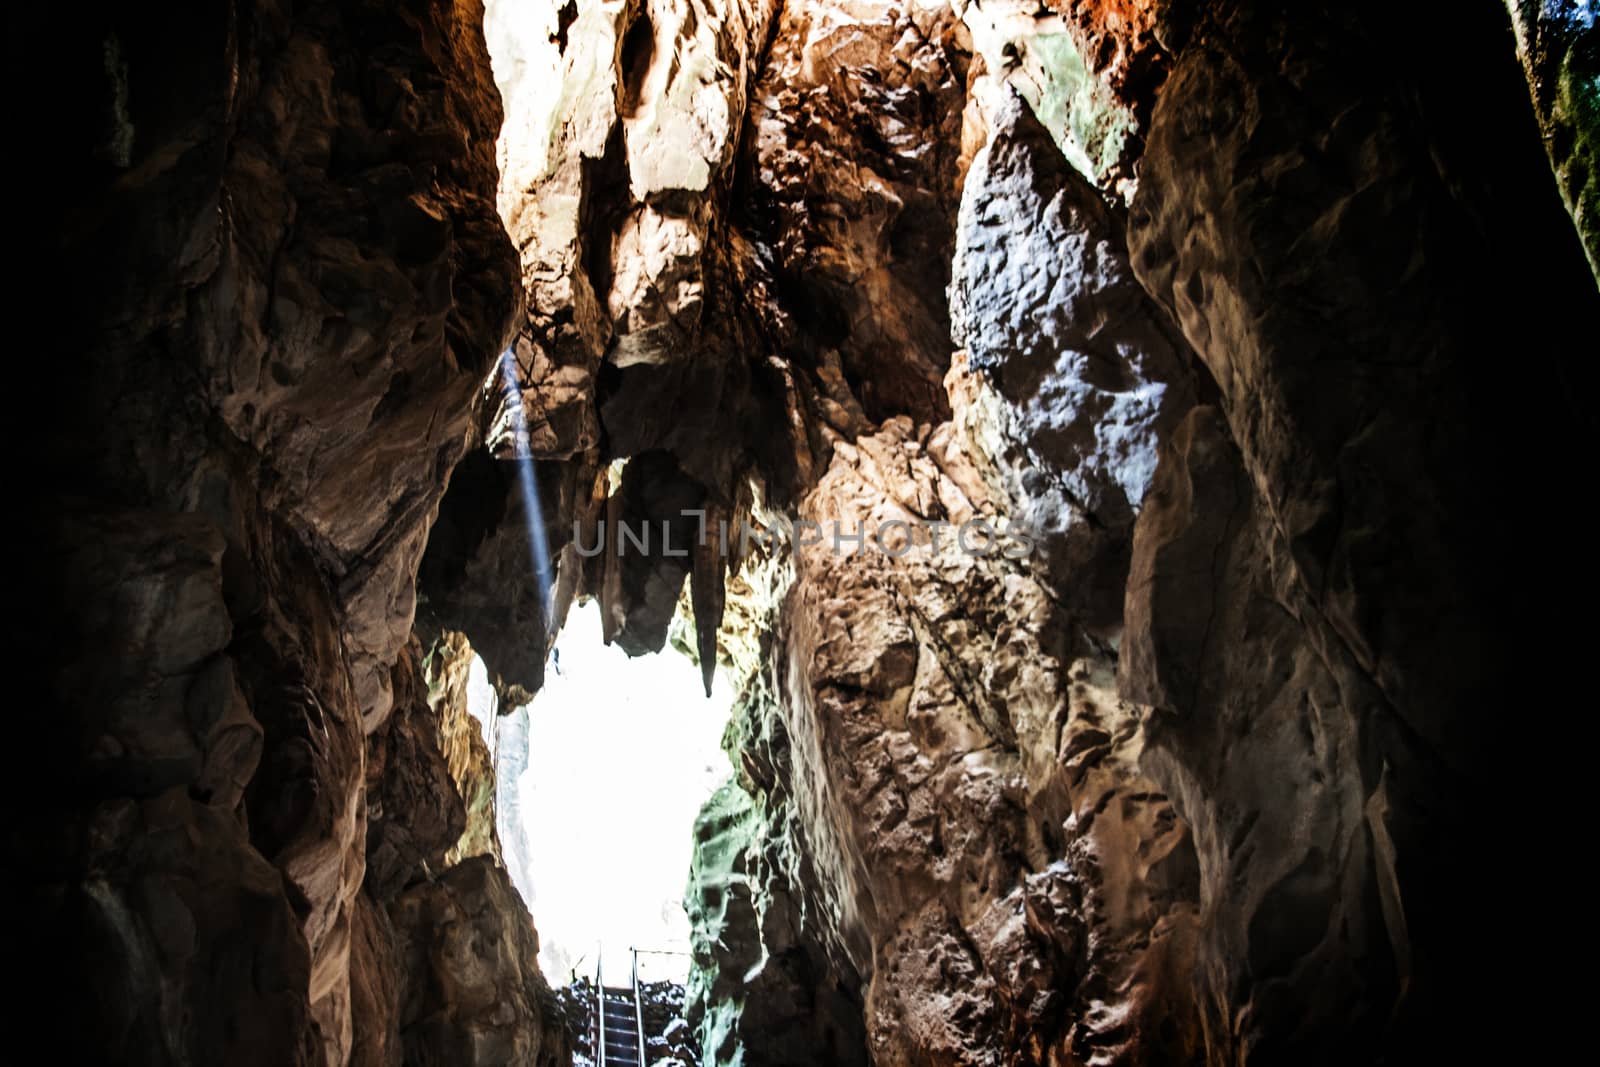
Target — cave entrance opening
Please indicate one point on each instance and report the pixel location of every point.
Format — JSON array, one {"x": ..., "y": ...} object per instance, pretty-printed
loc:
[
  {"x": 620, "y": 755},
  {"x": 601, "y": 776}
]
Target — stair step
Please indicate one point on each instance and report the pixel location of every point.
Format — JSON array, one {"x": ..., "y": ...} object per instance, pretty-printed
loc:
[{"x": 618, "y": 1014}]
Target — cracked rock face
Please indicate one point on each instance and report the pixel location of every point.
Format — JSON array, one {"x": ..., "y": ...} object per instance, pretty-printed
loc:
[
  {"x": 1079, "y": 373},
  {"x": 1559, "y": 46},
  {"x": 1214, "y": 638},
  {"x": 856, "y": 125},
  {"x": 485, "y": 1001},
  {"x": 1318, "y": 609},
  {"x": 1248, "y": 653},
  {"x": 1024, "y": 890},
  {"x": 293, "y": 284}
]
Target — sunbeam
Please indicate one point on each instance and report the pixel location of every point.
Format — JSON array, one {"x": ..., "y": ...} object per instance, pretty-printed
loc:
[{"x": 538, "y": 544}]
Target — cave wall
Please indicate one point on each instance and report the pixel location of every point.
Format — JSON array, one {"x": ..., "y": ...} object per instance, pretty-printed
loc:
[
  {"x": 1322, "y": 609},
  {"x": 1559, "y": 46},
  {"x": 1204, "y": 779},
  {"x": 290, "y": 281},
  {"x": 935, "y": 768}
]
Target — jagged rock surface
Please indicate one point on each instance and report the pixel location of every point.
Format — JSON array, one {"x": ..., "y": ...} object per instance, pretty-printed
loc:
[
  {"x": 1024, "y": 890},
  {"x": 466, "y": 751},
  {"x": 769, "y": 985},
  {"x": 415, "y": 811},
  {"x": 1559, "y": 45},
  {"x": 1080, "y": 374},
  {"x": 854, "y": 174},
  {"x": 668, "y": 1039},
  {"x": 476, "y": 578},
  {"x": 292, "y": 283},
  {"x": 1300, "y": 639},
  {"x": 484, "y": 1001},
  {"x": 1220, "y": 639},
  {"x": 1319, "y": 605},
  {"x": 1087, "y": 70},
  {"x": 928, "y": 750}
]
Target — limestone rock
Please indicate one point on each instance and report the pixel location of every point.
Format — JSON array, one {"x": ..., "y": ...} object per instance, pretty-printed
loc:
[
  {"x": 415, "y": 812},
  {"x": 293, "y": 281},
  {"x": 477, "y": 578},
  {"x": 465, "y": 750},
  {"x": 179, "y": 910},
  {"x": 1319, "y": 600},
  {"x": 1088, "y": 72},
  {"x": 856, "y": 128},
  {"x": 762, "y": 989},
  {"x": 485, "y": 1001},
  {"x": 970, "y": 741},
  {"x": 1559, "y": 46},
  {"x": 1218, "y": 638},
  {"x": 1219, "y": 769},
  {"x": 377, "y": 984},
  {"x": 1079, "y": 374}
]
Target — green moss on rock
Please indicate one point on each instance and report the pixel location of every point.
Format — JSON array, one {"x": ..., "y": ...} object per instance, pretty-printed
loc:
[{"x": 1559, "y": 46}]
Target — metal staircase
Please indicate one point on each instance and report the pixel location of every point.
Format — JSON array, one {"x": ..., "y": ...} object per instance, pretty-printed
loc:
[{"x": 618, "y": 1023}]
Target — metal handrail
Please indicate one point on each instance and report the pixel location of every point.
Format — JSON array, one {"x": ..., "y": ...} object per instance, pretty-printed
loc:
[
  {"x": 638, "y": 1000},
  {"x": 599, "y": 1011},
  {"x": 638, "y": 1006}
]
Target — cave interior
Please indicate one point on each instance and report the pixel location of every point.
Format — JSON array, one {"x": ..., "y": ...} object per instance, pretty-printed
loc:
[{"x": 1084, "y": 484}]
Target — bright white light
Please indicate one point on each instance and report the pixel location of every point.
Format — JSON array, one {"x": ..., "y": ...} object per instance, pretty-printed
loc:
[
  {"x": 621, "y": 755},
  {"x": 527, "y": 70}
]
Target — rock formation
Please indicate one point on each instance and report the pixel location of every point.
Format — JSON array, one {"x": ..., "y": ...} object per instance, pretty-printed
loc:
[
  {"x": 1144, "y": 409},
  {"x": 293, "y": 283},
  {"x": 1559, "y": 46}
]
